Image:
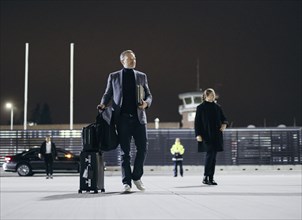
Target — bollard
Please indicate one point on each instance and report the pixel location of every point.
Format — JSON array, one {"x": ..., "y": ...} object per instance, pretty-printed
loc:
[{"x": 156, "y": 123}]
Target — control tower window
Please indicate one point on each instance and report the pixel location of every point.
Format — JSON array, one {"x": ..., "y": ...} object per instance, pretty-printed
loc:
[
  {"x": 188, "y": 101},
  {"x": 197, "y": 99}
]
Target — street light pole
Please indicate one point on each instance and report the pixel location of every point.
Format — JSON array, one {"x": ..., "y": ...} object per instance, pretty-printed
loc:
[
  {"x": 11, "y": 107},
  {"x": 26, "y": 85},
  {"x": 11, "y": 118},
  {"x": 71, "y": 84}
]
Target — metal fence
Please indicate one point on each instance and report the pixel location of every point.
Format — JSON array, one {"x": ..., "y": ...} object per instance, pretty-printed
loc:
[{"x": 241, "y": 146}]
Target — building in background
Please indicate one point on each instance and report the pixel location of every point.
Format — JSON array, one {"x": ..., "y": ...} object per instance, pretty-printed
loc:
[{"x": 187, "y": 110}]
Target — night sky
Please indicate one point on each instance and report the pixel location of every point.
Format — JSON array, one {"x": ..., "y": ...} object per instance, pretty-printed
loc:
[{"x": 249, "y": 52}]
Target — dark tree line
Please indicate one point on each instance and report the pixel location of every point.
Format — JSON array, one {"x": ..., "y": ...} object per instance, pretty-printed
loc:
[{"x": 41, "y": 114}]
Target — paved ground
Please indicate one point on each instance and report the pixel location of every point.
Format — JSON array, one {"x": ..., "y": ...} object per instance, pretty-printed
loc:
[{"x": 268, "y": 194}]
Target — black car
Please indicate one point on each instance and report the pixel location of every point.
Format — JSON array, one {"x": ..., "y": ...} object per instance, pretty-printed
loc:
[{"x": 29, "y": 162}]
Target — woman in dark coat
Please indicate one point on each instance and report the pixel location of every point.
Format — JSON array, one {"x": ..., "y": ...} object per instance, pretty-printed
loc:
[
  {"x": 210, "y": 122},
  {"x": 49, "y": 153}
]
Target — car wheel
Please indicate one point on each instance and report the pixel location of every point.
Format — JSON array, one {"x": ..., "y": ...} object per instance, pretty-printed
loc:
[{"x": 24, "y": 170}]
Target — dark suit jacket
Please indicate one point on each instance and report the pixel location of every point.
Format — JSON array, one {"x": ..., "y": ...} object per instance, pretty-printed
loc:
[
  {"x": 114, "y": 92},
  {"x": 53, "y": 149}
]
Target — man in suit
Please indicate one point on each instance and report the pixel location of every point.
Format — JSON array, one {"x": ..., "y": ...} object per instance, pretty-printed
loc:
[
  {"x": 49, "y": 153},
  {"x": 129, "y": 115}
]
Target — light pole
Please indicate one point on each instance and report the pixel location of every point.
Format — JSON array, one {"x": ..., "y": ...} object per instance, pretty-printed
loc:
[{"x": 11, "y": 107}]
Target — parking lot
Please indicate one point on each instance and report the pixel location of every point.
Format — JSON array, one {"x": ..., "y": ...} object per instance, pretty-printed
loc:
[{"x": 261, "y": 194}]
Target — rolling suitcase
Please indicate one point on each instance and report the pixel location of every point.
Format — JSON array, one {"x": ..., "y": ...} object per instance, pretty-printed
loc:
[{"x": 91, "y": 172}]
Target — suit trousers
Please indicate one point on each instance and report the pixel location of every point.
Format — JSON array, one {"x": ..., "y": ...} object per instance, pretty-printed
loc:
[
  {"x": 210, "y": 162},
  {"x": 48, "y": 164},
  {"x": 128, "y": 127}
]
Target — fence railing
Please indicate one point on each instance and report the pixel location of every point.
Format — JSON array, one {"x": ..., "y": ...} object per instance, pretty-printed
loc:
[{"x": 241, "y": 146}]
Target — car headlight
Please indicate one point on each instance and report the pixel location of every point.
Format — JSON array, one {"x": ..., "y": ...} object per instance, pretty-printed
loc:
[{"x": 68, "y": 156}]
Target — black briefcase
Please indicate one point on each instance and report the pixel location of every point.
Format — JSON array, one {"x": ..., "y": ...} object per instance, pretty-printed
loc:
[
  {"x": 107, "y": 137},
  {"x": 89, "y": 139}
]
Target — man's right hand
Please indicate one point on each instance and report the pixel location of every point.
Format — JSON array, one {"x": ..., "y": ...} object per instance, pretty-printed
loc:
[
  {"x": 101, "y": 107},
  {"x": 199, "y": 138}
]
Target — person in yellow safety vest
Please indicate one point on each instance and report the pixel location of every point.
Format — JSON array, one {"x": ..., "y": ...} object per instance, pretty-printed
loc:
[{"x": 177, "y": 150}]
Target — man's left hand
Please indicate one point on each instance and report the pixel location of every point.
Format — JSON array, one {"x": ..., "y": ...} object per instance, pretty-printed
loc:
[
  {"x": 223, "y": 127},
  {"x": 143, "y": 105}
]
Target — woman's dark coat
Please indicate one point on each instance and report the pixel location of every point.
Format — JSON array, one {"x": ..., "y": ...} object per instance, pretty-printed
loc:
[
  {"x": 53, "y": 149},
  {"x": 208, "y": 120}
]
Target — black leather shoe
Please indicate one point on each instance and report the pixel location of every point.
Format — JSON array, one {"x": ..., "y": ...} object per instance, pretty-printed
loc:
[
  {"x": 212, "y": 182},
  {"x": 205, "y": 180}
]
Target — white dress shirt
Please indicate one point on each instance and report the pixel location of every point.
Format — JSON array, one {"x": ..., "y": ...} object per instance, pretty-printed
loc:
[{"x": 48, "y": 147}]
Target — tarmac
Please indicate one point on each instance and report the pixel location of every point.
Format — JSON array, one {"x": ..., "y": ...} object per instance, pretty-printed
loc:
[{"x": 241, "y": 193}]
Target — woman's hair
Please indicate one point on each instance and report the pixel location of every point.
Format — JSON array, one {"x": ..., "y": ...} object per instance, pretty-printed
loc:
[{"x": 207, "y": 92}]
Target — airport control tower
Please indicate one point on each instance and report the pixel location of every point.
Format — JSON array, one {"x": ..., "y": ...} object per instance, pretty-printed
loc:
[{"x": 190, "y": 101}]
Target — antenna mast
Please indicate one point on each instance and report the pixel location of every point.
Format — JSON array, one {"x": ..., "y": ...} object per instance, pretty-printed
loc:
[{"x": 197, "y": 75}]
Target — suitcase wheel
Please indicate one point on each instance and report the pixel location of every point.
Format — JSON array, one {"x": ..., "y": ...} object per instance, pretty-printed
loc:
[
  {"x": 102, "y": 190},
  {"x": 80, "y": 191},
  {"x": 96, "y": 191}
]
